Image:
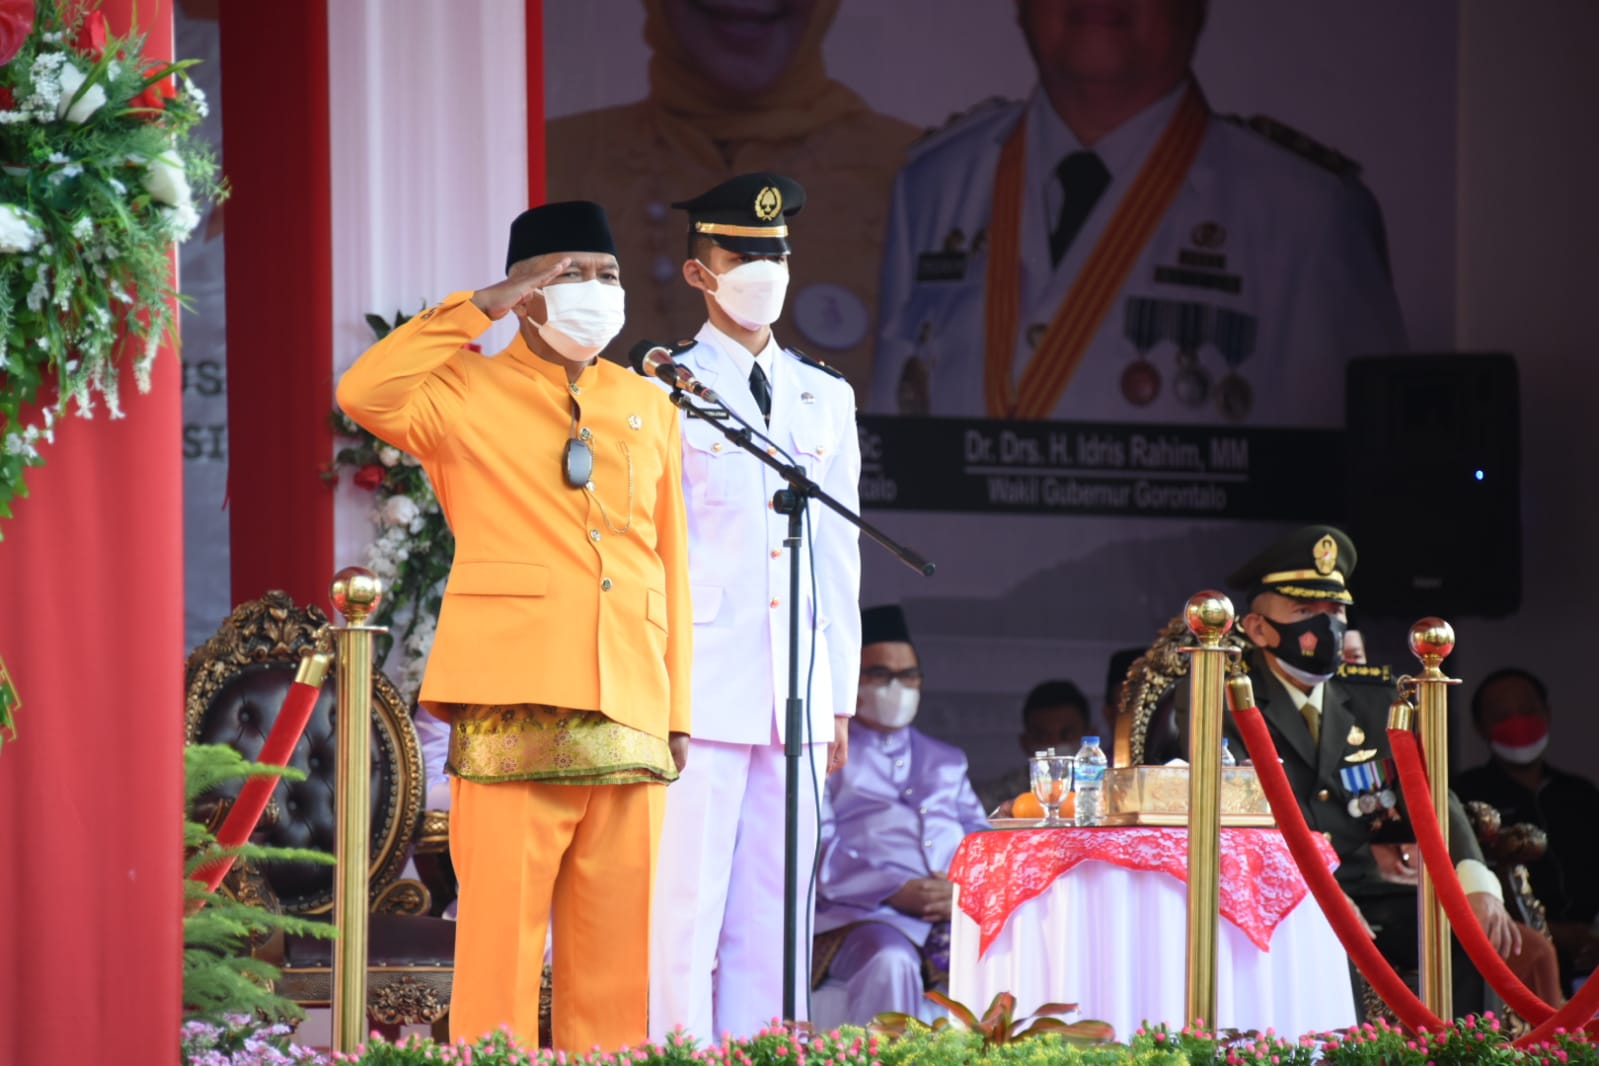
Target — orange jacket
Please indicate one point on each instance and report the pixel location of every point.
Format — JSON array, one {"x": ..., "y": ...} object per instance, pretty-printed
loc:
[{"x": 547, "y": 602}]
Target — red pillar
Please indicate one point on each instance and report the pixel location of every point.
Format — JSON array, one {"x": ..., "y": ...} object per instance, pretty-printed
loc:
[
  {"x": 91, "y": 626},
  {"x": 275, "y": 153}
]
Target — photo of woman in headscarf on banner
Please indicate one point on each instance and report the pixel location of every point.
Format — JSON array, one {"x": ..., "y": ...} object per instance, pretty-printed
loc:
[{"x": 732, "y": 89}]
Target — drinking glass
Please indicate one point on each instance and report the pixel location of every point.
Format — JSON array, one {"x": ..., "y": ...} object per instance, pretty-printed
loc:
[{"x": 1052, "y": 779}]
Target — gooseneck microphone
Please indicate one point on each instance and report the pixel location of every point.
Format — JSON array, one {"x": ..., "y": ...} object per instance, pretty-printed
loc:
[{"x": 654, "y": 360}]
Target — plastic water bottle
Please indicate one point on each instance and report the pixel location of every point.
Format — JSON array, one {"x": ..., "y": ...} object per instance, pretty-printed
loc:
[
  {"x": 1227, "y": 754},
  {"x": 1090, "y": 772}
]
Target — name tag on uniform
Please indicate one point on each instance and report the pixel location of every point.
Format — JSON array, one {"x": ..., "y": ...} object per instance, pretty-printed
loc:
[{"x": 941, "y": 266}]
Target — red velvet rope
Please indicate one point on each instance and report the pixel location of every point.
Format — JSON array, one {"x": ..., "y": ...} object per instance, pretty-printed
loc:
[
  {"x": 1577, "y": 1011},
  {"x": 1435, "y": 853},
  {"x": 1335, "y": 905},
  {"x": 253, "y": 796}
]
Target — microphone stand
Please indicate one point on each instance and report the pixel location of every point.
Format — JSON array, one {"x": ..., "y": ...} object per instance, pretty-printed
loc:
[{"x": 791, "y": 502}]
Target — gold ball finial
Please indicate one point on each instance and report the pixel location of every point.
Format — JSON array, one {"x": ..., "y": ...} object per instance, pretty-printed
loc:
[
  {"x": 1432, "y": 640},
  {"x": 1209, "y": 615},
  {"x": 356, "y": 593}
]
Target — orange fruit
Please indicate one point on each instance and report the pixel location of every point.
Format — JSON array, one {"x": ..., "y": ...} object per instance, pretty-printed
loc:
[{"x": 1026, "y": 806}]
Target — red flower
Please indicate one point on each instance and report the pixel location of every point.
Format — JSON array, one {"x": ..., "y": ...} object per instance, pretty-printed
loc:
[
  {"x": 90, "y": 40},
  {"x": 155, "y": 95},
  {"x": 369, "y": 476},
  {"x": 7, "y": 100},
  {"x": 16, "y": 22}
]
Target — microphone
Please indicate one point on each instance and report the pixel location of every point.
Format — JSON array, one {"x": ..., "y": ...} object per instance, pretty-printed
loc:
[{"x": 654, "y": 360}]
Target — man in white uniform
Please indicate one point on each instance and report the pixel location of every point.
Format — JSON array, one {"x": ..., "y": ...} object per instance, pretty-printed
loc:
[
  {"x": 1110, "y": 250},
  {"x": 717, "y": 937}
]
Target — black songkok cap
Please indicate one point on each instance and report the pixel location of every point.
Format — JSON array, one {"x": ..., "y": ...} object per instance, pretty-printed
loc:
[
  {"x": 1312, "y": 563},
  {"x": 748, "y": 213},
  {"x": 570, "y": 226},
  {"x": 880, "y": 625}
]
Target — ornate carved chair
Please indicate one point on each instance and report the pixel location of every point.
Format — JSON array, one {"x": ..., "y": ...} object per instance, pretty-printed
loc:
[{"x": 235, "y": 685}]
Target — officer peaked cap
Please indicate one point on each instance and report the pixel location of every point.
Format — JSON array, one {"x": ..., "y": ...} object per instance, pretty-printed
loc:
[
  {"x": 1311, "y": 563},
  {"x": 748, "y": 213}
]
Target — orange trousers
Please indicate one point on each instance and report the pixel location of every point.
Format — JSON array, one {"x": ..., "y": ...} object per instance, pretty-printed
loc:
[{"x": 582, "y": 856}]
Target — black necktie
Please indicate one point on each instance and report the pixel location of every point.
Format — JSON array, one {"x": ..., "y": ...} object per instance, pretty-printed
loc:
[
  {"x": 762, "y": 390},
  {"x": 1083, "y": 179}
]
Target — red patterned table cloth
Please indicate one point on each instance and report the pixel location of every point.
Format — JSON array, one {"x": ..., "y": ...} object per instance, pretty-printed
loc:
[{"x": 999, "y": 870}]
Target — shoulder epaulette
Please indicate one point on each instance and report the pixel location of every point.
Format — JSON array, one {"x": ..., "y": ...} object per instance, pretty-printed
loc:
[
  {"x": 679, "y": 347},
  {"x": 1363, "y": 673},
  {"x": 956, "y": 120},
  {"x": 817, "y": 363},
  {"x": 1285, "y": 136}
]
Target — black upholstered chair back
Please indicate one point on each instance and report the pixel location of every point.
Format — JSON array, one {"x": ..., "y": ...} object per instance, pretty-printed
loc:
[{"x": 236, "y": 685}]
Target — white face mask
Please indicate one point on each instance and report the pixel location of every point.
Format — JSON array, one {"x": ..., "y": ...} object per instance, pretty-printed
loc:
[
  {"x": 752, "y": 293},
  {"x": 891, "y": 706},
  {"x": 582, "y": 317}
]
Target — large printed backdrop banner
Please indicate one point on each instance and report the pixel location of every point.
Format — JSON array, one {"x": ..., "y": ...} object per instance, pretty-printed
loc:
[
  {"x": 1203, "y": 408},
  {"x": 91, "y": 790}
]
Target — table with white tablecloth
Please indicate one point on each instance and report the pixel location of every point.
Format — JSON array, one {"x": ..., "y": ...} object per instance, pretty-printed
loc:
[{"x": 1098, "y": 917}]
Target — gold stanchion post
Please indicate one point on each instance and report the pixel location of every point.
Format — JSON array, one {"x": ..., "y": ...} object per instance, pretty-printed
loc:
[
  {"x": 1432, "y": 640},
  {"x": 1209, "y": 616},
  {"x": 355, "y": 593}
]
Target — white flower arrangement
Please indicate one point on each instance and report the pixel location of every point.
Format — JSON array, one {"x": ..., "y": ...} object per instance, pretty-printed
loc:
[{"x": 100, "y": 177}]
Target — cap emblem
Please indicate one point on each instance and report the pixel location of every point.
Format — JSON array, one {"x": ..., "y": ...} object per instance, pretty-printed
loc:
[
  {"x": 768, "y": 203},
  {"x": 1326, "y": 555}
]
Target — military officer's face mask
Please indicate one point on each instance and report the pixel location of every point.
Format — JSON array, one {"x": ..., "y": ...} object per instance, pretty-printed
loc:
[
  {"x": 890, "y": 706},
  {"x": 1311, "y": 648},
  {"x": 582, "y": 317},
  {"x": 752, "y": 293}
]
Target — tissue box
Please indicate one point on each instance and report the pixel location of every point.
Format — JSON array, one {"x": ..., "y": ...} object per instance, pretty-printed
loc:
[{"x": 1158, "y": 795}]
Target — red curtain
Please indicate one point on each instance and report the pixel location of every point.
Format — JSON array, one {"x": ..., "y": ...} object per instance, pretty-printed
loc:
[
  {"x": 91, "y": 582},
  {"x": 535, "y": 102},
  {"x": 280, "y": 296}
]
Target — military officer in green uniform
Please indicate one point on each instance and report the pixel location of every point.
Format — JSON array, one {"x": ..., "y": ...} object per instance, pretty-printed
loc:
[{"x": 1328, "y": 719}]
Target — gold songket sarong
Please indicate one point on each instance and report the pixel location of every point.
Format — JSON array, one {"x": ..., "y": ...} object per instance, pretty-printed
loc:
[{"x": 533, "y": 742}]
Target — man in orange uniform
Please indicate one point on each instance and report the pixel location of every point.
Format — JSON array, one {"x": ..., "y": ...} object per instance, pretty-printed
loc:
[{"x": 562, "y": 655}]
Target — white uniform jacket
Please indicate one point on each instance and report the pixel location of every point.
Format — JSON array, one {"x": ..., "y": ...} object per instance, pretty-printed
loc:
[
  {"x": 739, "y": 567},
  {"x": 1271, "y": 265}
]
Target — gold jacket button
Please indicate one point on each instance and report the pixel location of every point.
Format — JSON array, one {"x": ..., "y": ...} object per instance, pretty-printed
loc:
[
  {"x": 605, "y": 584},
  {"x": 776, "y": 552},
  {"x": 776, "y": 603},
  {"x": 1324, "y": 795},
  {"x": 716, "y": 446}
]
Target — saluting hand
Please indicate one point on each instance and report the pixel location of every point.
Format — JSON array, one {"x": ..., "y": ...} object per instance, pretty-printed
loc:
[{"x": 510, "y": 294}]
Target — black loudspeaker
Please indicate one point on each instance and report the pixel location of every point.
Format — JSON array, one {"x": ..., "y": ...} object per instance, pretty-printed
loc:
[{"x": 1433, "y": 444}]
